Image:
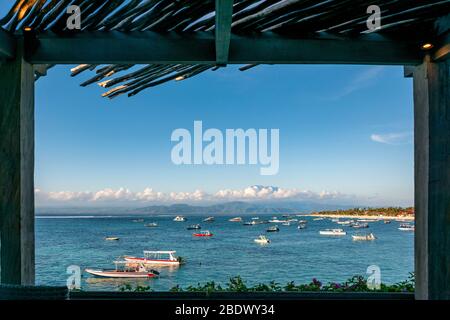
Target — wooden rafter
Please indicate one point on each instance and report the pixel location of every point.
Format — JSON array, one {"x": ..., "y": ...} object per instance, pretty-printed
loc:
[
  {"x": 199, "y": 48},
  {"x": 224, "y": 13}
]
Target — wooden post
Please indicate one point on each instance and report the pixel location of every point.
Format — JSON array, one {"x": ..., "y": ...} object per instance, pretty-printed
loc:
[
  {"x": 17, "y": 264},
  {"x": 432, "y": 179}
]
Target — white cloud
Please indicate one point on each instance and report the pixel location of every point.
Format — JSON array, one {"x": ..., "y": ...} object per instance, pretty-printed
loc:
[
  {"x": 392, "y": 138},
  {"x": 148, "y": 195}
]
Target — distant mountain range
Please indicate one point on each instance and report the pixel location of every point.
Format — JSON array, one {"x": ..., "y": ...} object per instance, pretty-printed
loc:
[{"x": 232, "y": 208}]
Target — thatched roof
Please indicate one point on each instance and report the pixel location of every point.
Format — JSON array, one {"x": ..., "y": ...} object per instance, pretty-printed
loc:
[{"x": 400, "y": 18}]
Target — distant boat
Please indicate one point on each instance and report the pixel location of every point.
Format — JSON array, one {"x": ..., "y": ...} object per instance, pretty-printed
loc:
[
  {"x": 406, "y": 227},
  {"x": 346, "y": 222},
  {"x": 318, "y": 219},
  {"x": 112, "y": 239},
  {"x": 262, "y": 240},
  {"x": 125, "y": 270},
  {"x": 138, "y": 220},
  {"x": 160, "y": 258},
  {"x": 277, "y": 221},
  {"x": 287, "y": 223},
  {"x": 333, "y": 232},
  {"x": 387, "y": 221},
  {"x": 368, "y": 237},
  {"x": 248, "y": 223},
  {"x": 273, "y": 229},
  {"x": 303, "y": 221},
  {"x": 194, "y": 227},
  {"x": 360, "y": 225},
  {"x": 205, "y": 233},
  {"x": 179, "y": 219},
  {"x": 209, "y": 219},
  {"x": 151, "y": 225},
  {"x": 301, "y": 226},
  {"x": 255, "y": 218},
  {"x": 237, "y": 219}
]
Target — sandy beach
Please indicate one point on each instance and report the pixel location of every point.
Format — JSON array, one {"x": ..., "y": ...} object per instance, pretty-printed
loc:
[{"x": 347, "y": 216}]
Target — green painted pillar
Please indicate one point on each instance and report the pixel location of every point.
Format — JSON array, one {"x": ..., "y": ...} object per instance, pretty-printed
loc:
[
  {"x": 432, "y": 179},
  {"x": 17, "y": 264}
]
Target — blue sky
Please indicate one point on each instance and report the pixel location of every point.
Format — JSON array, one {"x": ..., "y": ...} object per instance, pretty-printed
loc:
[{"x": 345, "y": 136}]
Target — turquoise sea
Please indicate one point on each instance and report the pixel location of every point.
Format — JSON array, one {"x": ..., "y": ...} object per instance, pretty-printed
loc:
[{"x": 294, "y": 255}]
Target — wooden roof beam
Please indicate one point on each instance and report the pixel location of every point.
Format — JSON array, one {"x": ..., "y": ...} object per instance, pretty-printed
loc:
[
  {"x": 199, "y": 48},
  {"x": 224, "y": 13},
  {"x": 7, "y": 45}
]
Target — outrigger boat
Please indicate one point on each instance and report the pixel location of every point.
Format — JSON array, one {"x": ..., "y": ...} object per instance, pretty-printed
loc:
[
  {"x": 262, "y": 240},
  {"x": 368, "y": 237},
  {"x": 160, "y": 258},
  {"x": 125, "y": 269},
  {"x": 205, "y": 233},
  {"x": 179, "y": 219},
  {"x": 333, "y": 232}
]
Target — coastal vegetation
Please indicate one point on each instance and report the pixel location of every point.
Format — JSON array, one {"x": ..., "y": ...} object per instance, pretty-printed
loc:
[
  {"x": 237, "y": 284},
  {"x": 386, "y": 212}
]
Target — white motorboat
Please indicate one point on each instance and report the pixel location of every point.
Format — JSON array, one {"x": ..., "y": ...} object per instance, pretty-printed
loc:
[
  {"x": 209, "y": 219},
  {"x": 287, "y": 223},
  {"x": 262, "y": 240},
  {"x": 125, "y": 269},
  {"x": 161, "y": 258},
  {"x": 179, "y": 219},
  {"x": 367, "y": 237},
  {"x": 237, "y": 219},
  {"x": 333, "y": 232}
]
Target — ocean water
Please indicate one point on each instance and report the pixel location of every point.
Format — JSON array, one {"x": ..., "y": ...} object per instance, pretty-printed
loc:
[{"x": 294, "y": 255}]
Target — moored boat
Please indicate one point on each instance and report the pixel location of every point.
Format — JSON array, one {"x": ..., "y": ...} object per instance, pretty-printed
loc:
[
  {"x": 359, "y": 225},
  {"x": 406, "y": 227},
  {"x": 262, "y": 240},
  {"x": 387, "y": 221},
  {"x": 194, "y": 227},
  {"x": 333, "y": 232},
  {"x": 160, "y": 258},
  {"x": 179, "y": 219},
  {"x": 237, "y": 219},
  {"x": 367, "y": 237},
  {"x": 124, "y": 269},
  {"x": 138, "y": 220},
  {"x": 205, "y": 233},
  {"x": 301, "y": 226},
  {"x": 273, "y": 229},
  {"x": 209, "y": 219},
  {"x": 287, "y": 223},
  {"x": 151, "y": 225},
  {"x": 112, "y": 239}
]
